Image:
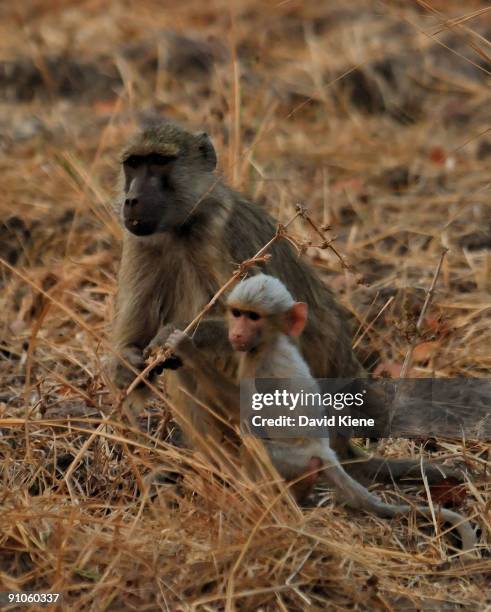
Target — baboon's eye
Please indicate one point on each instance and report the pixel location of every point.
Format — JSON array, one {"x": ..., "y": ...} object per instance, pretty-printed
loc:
[
  {"x": 236, "y": 312},
  {"x": 253, "y": 316},
  {"x": 133, "y": 161}
]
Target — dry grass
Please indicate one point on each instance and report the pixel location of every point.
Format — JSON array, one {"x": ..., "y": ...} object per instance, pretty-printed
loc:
[{"x": 398, "y": 178}]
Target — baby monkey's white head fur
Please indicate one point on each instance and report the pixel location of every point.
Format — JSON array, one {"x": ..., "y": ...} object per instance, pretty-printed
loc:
[
  {"x": 260, "y": 308},
  {"x": 261, "y": 292}
]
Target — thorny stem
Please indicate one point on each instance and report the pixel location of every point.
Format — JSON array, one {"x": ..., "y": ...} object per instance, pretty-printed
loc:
[
  {"x": 326, "y": 244},
  {"x": 258, "y": 257},
  {"x": 429, "y": 296}
]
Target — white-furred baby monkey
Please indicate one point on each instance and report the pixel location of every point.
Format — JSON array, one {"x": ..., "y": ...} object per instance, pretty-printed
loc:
[{"x": 264, "y": 319}]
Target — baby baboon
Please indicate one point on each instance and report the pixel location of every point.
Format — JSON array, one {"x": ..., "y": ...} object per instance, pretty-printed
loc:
[
  {"x": 185, "y": 233},
  {"x": 263, "y": 319}
]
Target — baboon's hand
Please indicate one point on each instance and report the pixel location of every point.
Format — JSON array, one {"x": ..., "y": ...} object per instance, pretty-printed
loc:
[
  {"x": 122, "y": 376},
  {"x": 159, "y": 341},
  {"x": 180, "y": 343}
]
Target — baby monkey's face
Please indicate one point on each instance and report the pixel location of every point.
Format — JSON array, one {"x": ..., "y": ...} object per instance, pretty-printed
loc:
[{"x": 245, "y": 328}]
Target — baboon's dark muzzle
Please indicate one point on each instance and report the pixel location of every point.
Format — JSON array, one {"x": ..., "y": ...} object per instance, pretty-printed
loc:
[{"x": 139, "y": 227}]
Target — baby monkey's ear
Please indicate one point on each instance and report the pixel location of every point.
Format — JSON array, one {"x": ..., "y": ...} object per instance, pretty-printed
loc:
[{"x": 297, "y": 319}]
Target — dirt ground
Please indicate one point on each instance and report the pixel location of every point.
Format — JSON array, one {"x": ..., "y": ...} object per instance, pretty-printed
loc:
[{"x": 376, "y": 116}]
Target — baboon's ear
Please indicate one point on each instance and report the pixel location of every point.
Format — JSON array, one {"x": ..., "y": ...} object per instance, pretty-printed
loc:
[{"x": 207, "y": 150}]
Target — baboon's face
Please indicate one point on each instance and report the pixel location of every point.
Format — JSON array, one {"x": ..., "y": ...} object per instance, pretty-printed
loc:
[
  {"x": 150, "y": 198},
  {"x": 166, "y": 175}
]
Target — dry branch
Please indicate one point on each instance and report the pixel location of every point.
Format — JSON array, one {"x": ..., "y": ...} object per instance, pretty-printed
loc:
[{"x": 419, "y": 325}]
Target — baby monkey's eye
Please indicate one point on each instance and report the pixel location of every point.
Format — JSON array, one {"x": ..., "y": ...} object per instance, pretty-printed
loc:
[
  {"x": 253, "y": 316},
  {"x": 236, "y": 312}
]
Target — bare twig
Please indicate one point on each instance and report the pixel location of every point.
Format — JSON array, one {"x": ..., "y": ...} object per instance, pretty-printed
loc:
[
  {"x": 429, "y": 296},
  {"x": 370, "y": 325}
]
